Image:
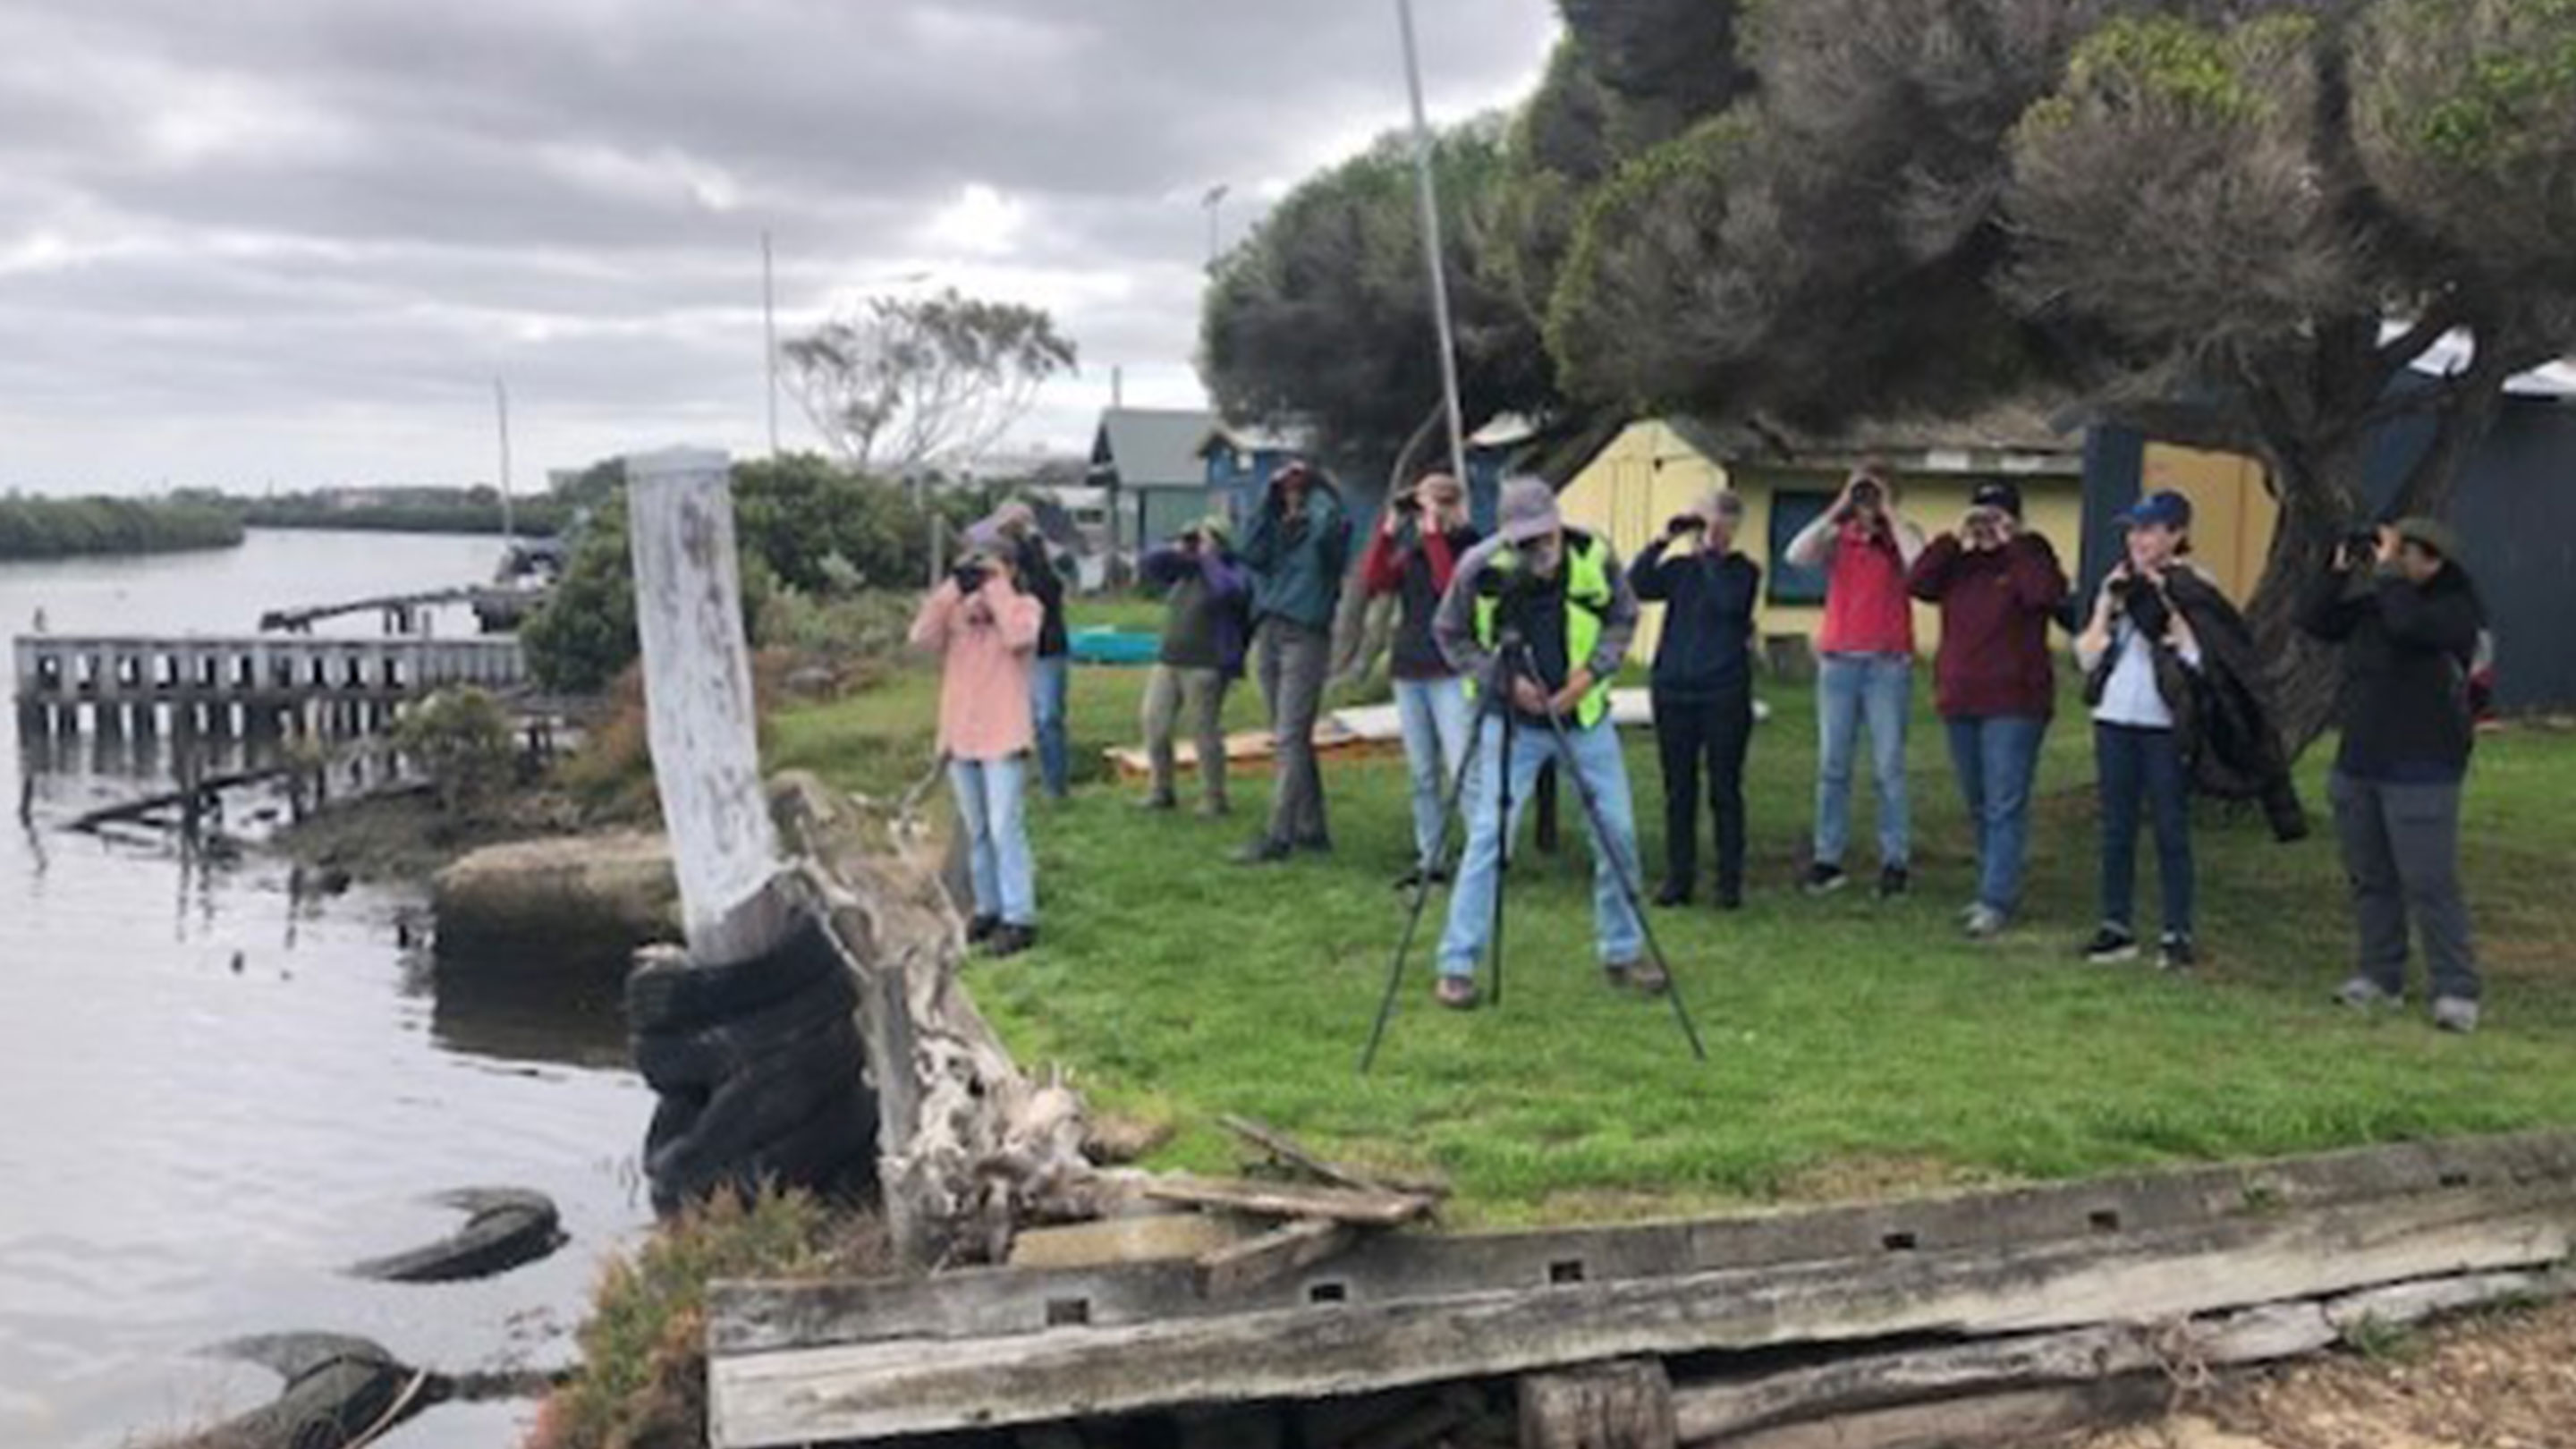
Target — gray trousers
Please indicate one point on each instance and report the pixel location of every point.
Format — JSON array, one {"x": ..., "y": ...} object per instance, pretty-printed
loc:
[
  {"x": 2401, "y": 848},
  {"x": 1293, "y": 661},
  {"x": 1200, "y": 695}
]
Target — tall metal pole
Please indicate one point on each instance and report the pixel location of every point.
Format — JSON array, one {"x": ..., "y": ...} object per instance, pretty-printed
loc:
[
  {"x": 1214, "y": 201},
  {"x": 769, "y": 331},
  {"x": 501, "y": 409},
  {"x": 1433, "y": 251}
]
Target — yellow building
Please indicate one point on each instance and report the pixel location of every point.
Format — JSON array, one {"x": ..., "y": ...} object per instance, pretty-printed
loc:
[{"x": 1658, "y": 468}]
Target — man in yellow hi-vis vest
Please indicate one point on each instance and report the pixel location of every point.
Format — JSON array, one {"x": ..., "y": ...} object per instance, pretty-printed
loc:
[{"x": 1544, "y": 614}]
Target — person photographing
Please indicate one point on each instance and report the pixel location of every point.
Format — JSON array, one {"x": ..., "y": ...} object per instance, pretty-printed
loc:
[
  {"x": 1865, "y": 672},
  {"x": 2138, "y": 654},
  {"x": 1206, "y": 595},
  {"x": 1542, "y": 616},
  {"x": 1702, "y": 687},
  {"x": 1412, "y": 557},
  {"x": 2408, "y": 618},
  {"x": 985, "y": 631},
  {"x": 1998, "y": 585},
  {"x": 1051, "y": 673},
  {"x": 1297, "y": 547}
]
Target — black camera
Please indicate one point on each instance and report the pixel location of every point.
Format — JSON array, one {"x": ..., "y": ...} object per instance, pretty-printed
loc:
[
  {"x": 1867, "y": 494},
  {"x": 1507, "y": 577},
  {"x": 2145, "y": 604},
  {"x": 1684, "y": 525},
  {"x": 2359, "y": 548},
  {"x": 1408, "y": 505},
  {"x": 970, "y": 575}
]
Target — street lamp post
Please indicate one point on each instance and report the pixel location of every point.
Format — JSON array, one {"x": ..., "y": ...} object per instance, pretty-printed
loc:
[{"x": 1214, "y": 202}]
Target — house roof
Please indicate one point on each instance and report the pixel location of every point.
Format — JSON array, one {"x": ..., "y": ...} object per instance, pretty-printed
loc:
[
  {"x": 1250, "y": 440},
  {"x": 1151, "y": 447},
  {"x": 2013, "y": 437}
]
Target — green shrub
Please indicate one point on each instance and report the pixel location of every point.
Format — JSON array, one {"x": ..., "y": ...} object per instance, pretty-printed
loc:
[{"x": 460, "y": 739}]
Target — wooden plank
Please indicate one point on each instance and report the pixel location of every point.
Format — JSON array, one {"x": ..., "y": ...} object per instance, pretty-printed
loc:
[
  {"x": 1230, "y": 1271},
  {"x": 877, "y": 1390},
  {"x": 751, "y": 1318},
  {"x": 1294, "y": 1154},
  {"x": 1286, "y": 1200},
  {"x": 1624, "y": 1405},
  {"x": 698, "y": 702},
  {"x": 2012, "y": 1416}
]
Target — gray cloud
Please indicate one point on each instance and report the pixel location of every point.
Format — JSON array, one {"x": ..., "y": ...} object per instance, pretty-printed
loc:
[{"x": 295, "y": 239}]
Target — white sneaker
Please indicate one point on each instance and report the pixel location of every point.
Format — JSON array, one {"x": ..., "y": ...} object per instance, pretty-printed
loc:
[
  {"x": 1984, "y": 923},
  {"x": 2455, "y": 1014},
  {"x": 2363, "y": 994}
]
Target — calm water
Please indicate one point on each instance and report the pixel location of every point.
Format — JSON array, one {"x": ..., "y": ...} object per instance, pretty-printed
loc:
[{"x": 188, "y": 1150}]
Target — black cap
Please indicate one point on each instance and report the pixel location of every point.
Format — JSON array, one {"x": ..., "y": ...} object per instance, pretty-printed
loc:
[{"x": 2000, "y": 495}]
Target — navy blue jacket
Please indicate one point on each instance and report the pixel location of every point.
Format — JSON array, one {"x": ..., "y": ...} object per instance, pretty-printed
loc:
[{"x": 1707, "y": 646}]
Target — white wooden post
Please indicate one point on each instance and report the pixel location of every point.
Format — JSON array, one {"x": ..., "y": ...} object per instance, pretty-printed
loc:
[{"x": 698, "y": 700}]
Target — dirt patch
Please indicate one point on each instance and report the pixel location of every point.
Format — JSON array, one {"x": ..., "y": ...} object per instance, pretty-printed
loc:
[
  {"x": 1883, "y": 1178},
  {"x": 2486, "y": 1381},
  {"x": 406, "y": 837}
]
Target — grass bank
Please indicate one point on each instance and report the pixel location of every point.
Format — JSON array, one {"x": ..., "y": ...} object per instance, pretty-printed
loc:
[{"x": 1855, "y": 1047}]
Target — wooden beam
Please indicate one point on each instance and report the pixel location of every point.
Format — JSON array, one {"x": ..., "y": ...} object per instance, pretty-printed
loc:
[
  {"x": 1388, "y": 1267},
  {"x": 1373, "y": 1209},
  {"x": 1229, "y": 1271},
  {"x": 1294, "y": 1154},
  {"x": 1624, "y": 1405},
  {"x": 700, "y": 715},
  {"x": 885, "y": 1389}
]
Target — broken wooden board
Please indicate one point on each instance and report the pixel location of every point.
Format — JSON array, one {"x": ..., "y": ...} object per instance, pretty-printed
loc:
[
  {"x": 887, "y": 1389},
  {"x": 1292, "y": 1153},
  {"x": 1370, "y": 1209},
  {"x": 1389, "y": 1267},
  {"x": 1230, "y": 1271}
]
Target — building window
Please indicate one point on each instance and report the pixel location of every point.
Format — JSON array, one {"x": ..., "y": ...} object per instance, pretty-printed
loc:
[{"x": 1791, "y": 512}]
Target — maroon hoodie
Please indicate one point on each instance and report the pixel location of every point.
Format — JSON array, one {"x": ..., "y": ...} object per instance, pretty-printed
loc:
[{"x": 1995, "y": 610}]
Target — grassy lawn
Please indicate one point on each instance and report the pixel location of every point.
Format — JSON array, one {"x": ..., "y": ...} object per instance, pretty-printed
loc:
[{"x": 1855, "y": 1048}]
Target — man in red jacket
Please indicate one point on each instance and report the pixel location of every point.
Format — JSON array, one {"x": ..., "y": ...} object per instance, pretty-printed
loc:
[{"x": 1994, "y": 683}]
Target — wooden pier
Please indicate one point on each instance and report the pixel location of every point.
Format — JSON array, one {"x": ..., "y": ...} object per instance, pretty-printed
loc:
[
  {"x": 497, "y": 608},
  {"x": 252, "y": 685}
]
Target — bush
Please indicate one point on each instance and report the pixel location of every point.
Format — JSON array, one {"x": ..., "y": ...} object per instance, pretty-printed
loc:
[
  {"x": 460, "y": 739},
  {"x": 643, "y": 1380}
]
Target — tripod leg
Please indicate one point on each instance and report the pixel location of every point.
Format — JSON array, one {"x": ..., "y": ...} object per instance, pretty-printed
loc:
[
  {"x": 1503, "y": 860},
  {"x": 1422, "y": 898},
  {"x": 1623, "y": 870}
]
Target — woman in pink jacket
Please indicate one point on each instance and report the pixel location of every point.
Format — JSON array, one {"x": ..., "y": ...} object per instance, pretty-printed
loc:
[{"x": 985, "y": 632}]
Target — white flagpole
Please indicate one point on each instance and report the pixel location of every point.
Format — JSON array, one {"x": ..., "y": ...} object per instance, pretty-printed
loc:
[{"x": 1434, "y": 254}]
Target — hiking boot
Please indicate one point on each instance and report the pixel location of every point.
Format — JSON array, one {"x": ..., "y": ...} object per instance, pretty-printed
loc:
[
  {"x": 1458, "y": 993},
  {"x": 981, "y": 929},
  {"x": 1824, "y": 880},
  {"x": 2176, "y": 952},
  {"x": 1674, "y": 893},
  {"x": 1730, "y": 895},
  {"x": 1009, "y": 940},
  {"x": 1264, "y": 851},
  {"x": 1894, "y": 881},
  {"x": 1416, "y": 878},
  {"x": 1983, "y": 922},
  {"x": 2455, "y": 1014},
  {"x": 1647, "y": 978},
  {"x": 2113, "y": 945},
  {"x": 2363, "y": 994}
]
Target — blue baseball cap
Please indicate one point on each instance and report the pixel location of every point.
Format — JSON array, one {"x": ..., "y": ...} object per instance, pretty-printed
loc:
[{"x": 2157, "y": 510}]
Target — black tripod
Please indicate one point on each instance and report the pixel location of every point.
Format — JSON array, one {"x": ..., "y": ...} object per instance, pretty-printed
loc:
[{"x": 1512, "y": 661}]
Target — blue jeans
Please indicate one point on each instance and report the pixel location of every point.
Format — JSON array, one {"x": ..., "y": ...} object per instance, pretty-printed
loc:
[
  {"x": 1851, "y": 688},
  {"x": 2142, "y": 767},
  {"x": 990, "y": 794},
  {"x": 1048, "y": 683},
  {"x": 1996, "y": 756},
  {"x": 1436, "y": 719},
  {"x": 1596, "y": 761}
]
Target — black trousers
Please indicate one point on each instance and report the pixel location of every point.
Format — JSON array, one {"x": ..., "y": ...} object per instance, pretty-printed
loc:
[{"x": 1715, "y": 731}]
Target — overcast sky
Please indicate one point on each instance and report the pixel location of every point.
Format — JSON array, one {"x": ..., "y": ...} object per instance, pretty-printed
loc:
[{"x": 294, "y": 241}]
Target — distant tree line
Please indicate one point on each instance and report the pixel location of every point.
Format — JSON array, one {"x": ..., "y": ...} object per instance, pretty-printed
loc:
[
  {"x": 406, "y": 510},
  {"x": 42, "y": 528}
]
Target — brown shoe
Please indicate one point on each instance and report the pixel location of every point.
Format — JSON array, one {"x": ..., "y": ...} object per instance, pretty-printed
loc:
[
  {"x": 1458, "y": 993},
  {"x": 1647, "y": 978}
]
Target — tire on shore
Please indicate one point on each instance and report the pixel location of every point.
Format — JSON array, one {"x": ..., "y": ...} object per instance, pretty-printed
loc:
[{"x": 505, "y": 1229}]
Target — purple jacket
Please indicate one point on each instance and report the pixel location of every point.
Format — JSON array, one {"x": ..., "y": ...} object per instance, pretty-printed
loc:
[{"x": 1208, "y": 622}]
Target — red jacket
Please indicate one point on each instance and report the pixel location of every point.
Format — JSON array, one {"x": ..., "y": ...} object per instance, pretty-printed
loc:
[{"x": 1995, "y": 610}]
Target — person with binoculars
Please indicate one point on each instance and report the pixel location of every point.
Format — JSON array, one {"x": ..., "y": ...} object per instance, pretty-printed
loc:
[
  {"x": 2409, "y": 620},
  {"x": 1864, "y": 673},
  {"x": 1412, "y": 556},
  {"x": 1298, "y": 546},
  {"x": 985, "y": 631},
  {"x": 1999, "y": 586},
  {"x": 1702, "y": 687},
  {"x": 2138, "y": 654},
  {"x": 1207, "y": 596}
]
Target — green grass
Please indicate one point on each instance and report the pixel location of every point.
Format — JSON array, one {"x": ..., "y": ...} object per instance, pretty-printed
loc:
[{"x": 1854, "y": 1048}]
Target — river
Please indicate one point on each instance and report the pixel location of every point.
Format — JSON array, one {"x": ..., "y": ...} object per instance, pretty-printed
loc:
[{"x": 214, "y": 1094}]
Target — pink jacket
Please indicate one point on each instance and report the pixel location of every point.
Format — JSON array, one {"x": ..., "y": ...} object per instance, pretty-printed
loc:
[{"x": 986, "y": 644}]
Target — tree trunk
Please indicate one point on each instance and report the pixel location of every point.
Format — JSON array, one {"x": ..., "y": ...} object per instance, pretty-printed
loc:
[{"x": 2319, "y": 492}]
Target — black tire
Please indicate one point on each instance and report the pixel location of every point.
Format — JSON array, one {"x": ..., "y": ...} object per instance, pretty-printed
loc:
[
  {"x": 763, "y": 1105},
  {"x": 833, "y": 1148},
  {"x": 669, "y": 996},
  {"x": 508, "y": 1228},
  {"x": 707, "y": 1055}
]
